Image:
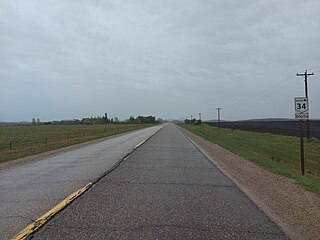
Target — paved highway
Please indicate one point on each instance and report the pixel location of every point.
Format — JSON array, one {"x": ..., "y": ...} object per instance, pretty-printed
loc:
[
  {"x": 30, "y": 190},
  {"x": 167, "y": 189}
]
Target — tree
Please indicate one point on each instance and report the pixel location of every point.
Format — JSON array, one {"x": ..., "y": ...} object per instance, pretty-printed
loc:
[
  {"x": 116, "y": 120},
  {"x": 148, "y": 119},
  {"x": 131, "y": 119},
  {"x": 106, "y": 120},
  {"x": 198, "y": 122},
  {"x": 159, "y": 120},
  {"x": 38, "y": 121},
  {"x": 33, "y": 121},
  {"x": 142, "y": 119}
]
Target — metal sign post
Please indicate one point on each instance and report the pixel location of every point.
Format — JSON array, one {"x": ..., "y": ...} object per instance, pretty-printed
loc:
[
  {"x": 301, "y": 148},
  {"x": 301, "y": 113}
]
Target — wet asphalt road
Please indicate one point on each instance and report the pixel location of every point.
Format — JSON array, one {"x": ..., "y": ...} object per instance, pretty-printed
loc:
[
  {"x": 166, "y": 189},
  {"x": 28, "y": 191}
]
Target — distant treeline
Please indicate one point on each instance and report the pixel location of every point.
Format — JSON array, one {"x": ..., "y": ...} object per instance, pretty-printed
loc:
[
  {"x": 193, "y": 121},
  {"x": 132, "y": 119},
  {"x": 100, "y": 120},
  {"x": 105, "y": 120},
  {"x": 142, "y": 119}
]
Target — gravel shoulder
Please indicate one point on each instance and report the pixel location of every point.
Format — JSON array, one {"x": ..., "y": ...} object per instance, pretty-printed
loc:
[{"x": 294, "y": 209}]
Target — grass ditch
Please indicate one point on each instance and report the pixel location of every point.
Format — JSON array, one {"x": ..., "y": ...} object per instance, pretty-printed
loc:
[
  {"x": 275, "y": 153},
  {"x": 21, "y": 141}
]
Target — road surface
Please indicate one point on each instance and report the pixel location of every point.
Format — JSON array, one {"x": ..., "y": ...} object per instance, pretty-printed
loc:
[
  {"x": 30, "y": 190},
  {"x": 167, "y": 189}
]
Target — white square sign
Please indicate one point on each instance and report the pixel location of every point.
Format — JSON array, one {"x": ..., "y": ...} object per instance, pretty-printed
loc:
[{"x": 301, "y": 106}]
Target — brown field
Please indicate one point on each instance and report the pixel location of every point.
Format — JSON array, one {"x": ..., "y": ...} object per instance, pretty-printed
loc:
[{"x": 286, "y": 127}]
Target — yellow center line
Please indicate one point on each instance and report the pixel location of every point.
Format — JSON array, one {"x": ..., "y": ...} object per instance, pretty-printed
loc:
[
  {"x": 24, "y": 234},
  {"x": 138, "y": 145},
  {"x": 47, "y": 216}
]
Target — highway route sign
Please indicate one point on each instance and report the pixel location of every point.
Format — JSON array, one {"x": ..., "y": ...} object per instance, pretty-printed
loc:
[{"x": 301, "y": 106}]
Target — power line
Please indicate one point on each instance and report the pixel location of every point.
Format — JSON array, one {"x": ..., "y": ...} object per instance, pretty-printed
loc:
[
  {"x": 283, "y": 89},
  {"x": 274, "y": 88},
  {"x": 313, "y": 68}
]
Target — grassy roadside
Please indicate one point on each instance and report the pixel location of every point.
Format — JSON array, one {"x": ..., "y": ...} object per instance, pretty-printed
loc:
[
  {"x": 30, "y": 140},
  {"x": 278, "y": 154}
]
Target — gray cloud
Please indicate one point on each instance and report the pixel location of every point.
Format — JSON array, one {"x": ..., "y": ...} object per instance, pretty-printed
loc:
[{"x": 173, "y": 58}]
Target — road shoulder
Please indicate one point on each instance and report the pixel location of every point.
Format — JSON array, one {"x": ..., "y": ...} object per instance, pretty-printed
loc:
[
  {"x": 56, "y": 152},
  {"x": 294, "y": 209}
]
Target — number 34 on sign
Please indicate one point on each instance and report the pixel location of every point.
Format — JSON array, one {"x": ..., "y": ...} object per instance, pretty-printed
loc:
[{"x": 301, "y": 108}]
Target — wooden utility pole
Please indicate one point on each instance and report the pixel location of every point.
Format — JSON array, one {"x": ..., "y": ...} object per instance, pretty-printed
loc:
[
  {"x": 306, "y": 74},
  {"x": 218, "y": 109}
]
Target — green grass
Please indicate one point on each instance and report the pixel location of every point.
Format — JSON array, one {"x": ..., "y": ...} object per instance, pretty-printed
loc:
[
  {"x": 275, "y": 153},
  {"x": 30, "y": 140}
]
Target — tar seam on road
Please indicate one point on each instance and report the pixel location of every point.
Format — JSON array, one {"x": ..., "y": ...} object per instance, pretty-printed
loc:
[{"x": 40, "y": 222}]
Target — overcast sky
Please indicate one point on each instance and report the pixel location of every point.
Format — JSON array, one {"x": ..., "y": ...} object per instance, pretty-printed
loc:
[{"x": 168, "y": 58}]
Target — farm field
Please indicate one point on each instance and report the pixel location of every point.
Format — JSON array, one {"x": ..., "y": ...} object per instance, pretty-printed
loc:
[
  {"x": 275, "y": 153},
  {"x": 21, "y": 141},
  {"x": 289, "y": 128}
]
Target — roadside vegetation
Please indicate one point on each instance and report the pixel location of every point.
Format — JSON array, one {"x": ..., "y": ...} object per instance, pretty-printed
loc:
[
  {"x": 22, "y": 141},
  {"x": 275, "y": 153}
]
